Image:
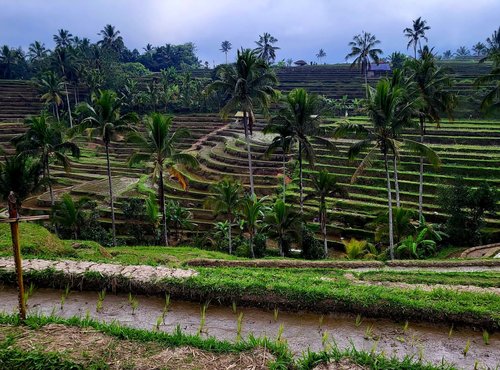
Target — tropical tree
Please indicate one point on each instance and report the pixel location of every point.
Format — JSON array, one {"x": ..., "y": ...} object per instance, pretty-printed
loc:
[
  {"x": 416, "y": 33},
  {"x": 158, "y": 145},
  {"x": 226, "y": 200},
  {"x": 364, "y": 52},
  {"x": 479, "y": 49},
  {"x": 325, "y": 185},
  {"x": 45, "y": 141},
  {"x": 65, "y": 62},
  {"x": 178, "y": 217},
  {"x": 52, "y": 90},
  {"x": 462, "y": 52},
  {"x": 37, "y": 51},
  {"x": 111, "y": 39},
  {"x": 63, "y": 38},
  {"x": 432, "y": 83},
  {"x": 20, "y": 174},
  {"x": 300, "y": 116},
  {"x": 69, "y": 213},
  {"x": 447, "y": 55},
  {"x": 493, "y": 42},
  {"x": 390, "y": 111},
  {"x": 248, "y": 85},
  {"x": 283, "y": 224},
  {"x": 265, "y": 49},
  {"x": 9, "y": 58},
  {"x": 321, "y": 54},
  {"x": 491, "y": 101},
  {"x": 252, "y": 212},
  {"x": 225, "y": 46},
  {"x": 103, "y": 118},
  {"x": 397, "y": 60}
]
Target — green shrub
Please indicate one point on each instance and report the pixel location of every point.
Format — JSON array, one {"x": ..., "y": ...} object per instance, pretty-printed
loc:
[{"x": 312, "y": 249}]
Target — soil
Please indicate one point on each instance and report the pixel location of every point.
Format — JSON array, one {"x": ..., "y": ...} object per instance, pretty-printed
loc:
[
  {"x": 432, "y": 342},
  {"x": 86, "y": 345}
]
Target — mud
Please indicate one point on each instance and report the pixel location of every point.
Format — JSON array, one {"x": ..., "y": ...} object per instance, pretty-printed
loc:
[{"x": 301, "y": 330}]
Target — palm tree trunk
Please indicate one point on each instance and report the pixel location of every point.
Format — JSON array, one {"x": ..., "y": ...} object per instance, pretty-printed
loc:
[
  {"x": 301, "y": 185},
  {"x": 161, "y": 199},
  {"x": 421, "y": 175},
  {"x": 250, "y": 242},
  {"x": 282, "y": 252},
  {"x": 229, "y": 236},
  {"x": 249, "y": 153},
  {"x": 112, "y": 202},
  {"x": 69, "y": 106},
  {"x": 284, "y": 177},
  {"x": 51, "y": 192},
  {"x": 366, "y": 80},
  {"x": 57, "y": 113},
  {"x": 396, "y": 182},
  {"x": 389, "y": 201},
  {"x": 322, "y": 216}
]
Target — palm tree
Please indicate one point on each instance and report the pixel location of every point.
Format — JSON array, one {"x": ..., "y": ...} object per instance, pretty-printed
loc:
[
  {"x": 284, "y": 140},
  {"x": 249, "y": 85},
  {"x": 416, "y": 33},
  {"x": 225, "y": 46},
  {"x": 364, "y": 52},
  {"x": 9, "y": 57},
  {"x": 301, "y": 116},
  {"x": 52, "y": 89},
  {"x": 265, "y": 50},
  {"x": 433, "y": 86},
  {"x": 44, "y": 140},
  {"x": 491, "y": 101},
  {"x": 325, "y": 185},
  {"x": 390, "y": 111},
  {"x": 479, "y": 49},
  {"x": 65, "y": 62},
  {"x": 69, "y": 213},
  {"x": 158, "y": 145},
  {"x": 226, "y": 200},
  {"x": 37, "y": 51},
  {"x": 283, "y": 224},
  {"x": 321, "y": 54},
  {"x": 494, "y": 42},
  {"x": 63, "y": 38},
  {"x": 111, "y": 38},
  {"x": 462, "y": 52},
  {"x": 252, "y": 211},
  {"x": 20, "y": 174},
  {"x": 103, "y": 118}
]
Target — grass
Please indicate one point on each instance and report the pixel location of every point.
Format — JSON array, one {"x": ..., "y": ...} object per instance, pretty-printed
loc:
[{"x": 480, "y": 279}]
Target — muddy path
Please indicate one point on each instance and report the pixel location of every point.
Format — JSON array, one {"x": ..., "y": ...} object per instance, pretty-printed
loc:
[{"x": 301, "y": 330}]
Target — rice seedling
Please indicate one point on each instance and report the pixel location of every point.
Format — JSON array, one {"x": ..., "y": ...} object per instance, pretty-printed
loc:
[
  {"x": 28, "y": 293},
  {"x": 276, "y": 313},
  {"x": 64, "y": 295},
  {"x": 476, "y": 365},
  {"x": 358, "y": 321},
  {"x": 233, "y": 307},
  {"x": 324, "y": 340},
  {"x": 159, "y": 321},
  {"x": 280, "y": 333},
  {"x": 420, "y": 353},
  {"x": 203, "y": 317},
  {"x": 321, "y": 320},
  {"x": 405, "y": 326},
  {"x": 100, "y": 300},
  {"x": 374, "y": 347},
  {"x": 133, "y": 302},
  {"x": 369, "y": 332},
  {"x": 466, "y": 348},
  {"x": 239, "y": 327},
  {"x": 450, "y": 333},
  {"x": 486, "y": 337}
]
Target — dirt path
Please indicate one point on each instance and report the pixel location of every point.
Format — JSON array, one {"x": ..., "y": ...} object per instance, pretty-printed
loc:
[
  {"x": 138, "y": 273},
  {"x": 203, "y": 139}
]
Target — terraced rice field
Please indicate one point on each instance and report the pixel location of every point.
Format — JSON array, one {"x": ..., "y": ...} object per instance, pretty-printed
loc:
[{"x": 467, "y": 148}]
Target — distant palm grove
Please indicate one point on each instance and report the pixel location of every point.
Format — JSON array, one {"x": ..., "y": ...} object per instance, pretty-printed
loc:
[{"x": 387, "y": 156}]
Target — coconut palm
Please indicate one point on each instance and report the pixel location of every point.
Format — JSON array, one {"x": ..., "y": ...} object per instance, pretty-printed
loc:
[
  {"x": 103, "y": 117},
  {"x": 252, "y": 212},
  {"x": 45, "y": 141},
  {"x": 63, "y": 38},
  {"x": 111, "y": 38},
  {"x": 37, "y": 51},
  {"x": 70, "y": 213},
  {"x": 65, "y": 62},
  {"x": 325, "y": 185},
  {"x": 364, "y": 52},
  {"x": 390, "y": 111},
  {"x": 284, "y": 140},
  {"x": 491, "y": 101},
  {"x": 462, "y": 52},
  {"x": 479, "y": 49},
  {"x": 416, "y": 33},
  {"x": 433, "y": 84},
  {"x": 493, "y": 42},
  {"x": 9, "y": 58},
  {"x": 158, "y": 145},
  {"x": 226, "y": 200},
  {"x": 283, "y": 224},
  {"x": 225, "y": 46},
  {"x": 249, "y": 85},
  {"x": 265, "y": 49},
  {"x": 20, "y": 174},
  {"x": 321, "y": 54},
  {"x": 301, "y": 116},
  {"x": 52, "y": 89}
]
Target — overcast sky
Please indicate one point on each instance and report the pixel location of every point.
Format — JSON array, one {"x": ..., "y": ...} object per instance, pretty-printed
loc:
[{"x": 301, "y": 27}]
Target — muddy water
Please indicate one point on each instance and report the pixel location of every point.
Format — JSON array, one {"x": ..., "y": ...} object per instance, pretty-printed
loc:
[{"x": 300, "y": 330}]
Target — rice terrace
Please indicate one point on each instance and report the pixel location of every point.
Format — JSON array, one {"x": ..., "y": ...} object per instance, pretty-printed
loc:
[{"x": 194, "y": 194}]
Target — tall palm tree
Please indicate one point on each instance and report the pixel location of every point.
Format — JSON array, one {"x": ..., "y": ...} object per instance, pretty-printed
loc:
[
  {"x": 462, "y": 51},
  {"x": 226, "y": 199},
  {"x": 283, "y": 224},
  {"x": 63, "y": 38},
  {"x": 20, "y": 174},
  {"x": 479, "y": 49},
  {"x": 158, "y": 145},
  {"x": 65, "y": 61},
  {"x": 249, "y": 85},
  {"x": 284, "y": 140},
  {"x": 364, "y": 52},
  {"x": 9, "y": 57},
  {"x": 103, "y": 117},
  {"x": 45, "y": 140},
  {"x": 52, "y": 89},
  {"x": 390, "y": 112},
  {"x": 416, "y": 34},
  {"x": 494, "y": 42},
  {"x": 37, "y": 51},
  {"x": 325, "y": 185},
  {"x": 491, "y": 101},
  {"x": 252, "y": 211},
  {"x": 321, "y": 54},
  {"x": 225, "y": 46},
  {"x": 111, "y": 38},
  {"x": 265, "y": 49},
  {"x": 301, "y": 116},
  {"x": 433, "y": 84}
]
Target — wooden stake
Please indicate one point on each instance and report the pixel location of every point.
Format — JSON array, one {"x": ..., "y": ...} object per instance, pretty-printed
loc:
[{"x": 14, "y": 229}]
